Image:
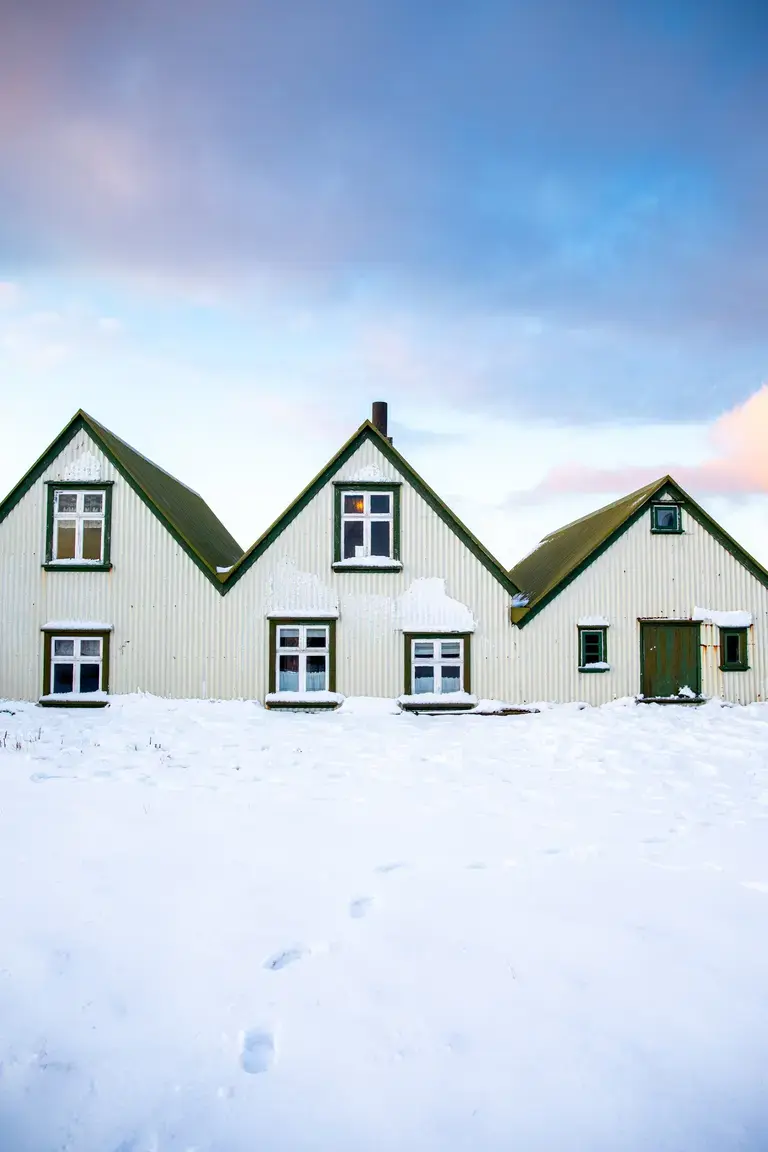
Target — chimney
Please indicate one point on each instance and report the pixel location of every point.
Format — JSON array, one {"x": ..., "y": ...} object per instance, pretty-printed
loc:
[{"x": 379, "y": 416}]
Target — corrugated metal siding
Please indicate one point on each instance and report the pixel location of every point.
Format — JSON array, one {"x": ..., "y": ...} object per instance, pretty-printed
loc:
[{"x": 650, "y": 576}]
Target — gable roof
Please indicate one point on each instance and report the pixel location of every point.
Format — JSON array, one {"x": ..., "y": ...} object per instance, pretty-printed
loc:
[
  {"x": 564, "y": 554},
  {"x": 368, "y": 431},
  {"x": 183, "y": 512}
]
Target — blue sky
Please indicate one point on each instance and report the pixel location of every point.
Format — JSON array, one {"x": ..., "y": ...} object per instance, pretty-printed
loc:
[{"x": 537, "y": 229}]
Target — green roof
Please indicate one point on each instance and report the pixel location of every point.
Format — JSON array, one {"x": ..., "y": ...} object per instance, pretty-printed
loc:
[
  {"x": 183, "y": 512},
  {"x": 564, "y": 554}
]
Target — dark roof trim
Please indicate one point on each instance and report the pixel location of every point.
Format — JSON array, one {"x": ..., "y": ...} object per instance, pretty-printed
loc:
[
  {"x": 367, "y": 431},
  {"x": 80, "y": 421},
  {"x": 523, "y": 616}
]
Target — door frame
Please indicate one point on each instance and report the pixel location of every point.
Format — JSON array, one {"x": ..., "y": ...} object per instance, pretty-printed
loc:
[{"x": 655, "y": 622}]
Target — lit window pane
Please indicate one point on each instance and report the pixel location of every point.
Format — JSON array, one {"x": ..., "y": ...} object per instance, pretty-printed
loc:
[
  {"x": 93, "y": 502},
  {"x": 63, "y": 647},
  {"x": 89, "y": 677},
  {"x": 451, "y": 649},
  {"x": 90, "y": 647},
  {"x": 66, "y": 501},
  {"x": 65, "y": 540},
  {"x": 92, "y": 539},
  {"x": 353, "y": 538},
  {"x": 288, "y": 638},
  {"x": 354, "y": 505},
  {"x": 380, "y": 504},
  {"x": 316, "y": 674},
  {"x": 317, "y": 638},
  {"x": 63, "y": 677},
  {"x": 423, "y": 648},
  {"x": 451, "y": 679},
  {"x": 289, "y": 674},
  {"x": 380, "y": 537},
  {"x": 423, "y": 678}
]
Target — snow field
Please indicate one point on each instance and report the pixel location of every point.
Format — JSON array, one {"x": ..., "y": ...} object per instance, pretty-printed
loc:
[{"x": 224, "y": 929}]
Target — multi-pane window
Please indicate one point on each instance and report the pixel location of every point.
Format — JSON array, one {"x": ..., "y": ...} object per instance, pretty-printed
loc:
[
  {"x": 78, "y": 526},
  {"x": 733, "y": 649},
  {"x": 437, "y": 666},
  {"x": 367, "y": 525},
  {"x": 76, "y": 664},
  {"x": 302, "y": 658},
  {"x": 592, "y": 648},
  {"x": 665, "y": 518}
]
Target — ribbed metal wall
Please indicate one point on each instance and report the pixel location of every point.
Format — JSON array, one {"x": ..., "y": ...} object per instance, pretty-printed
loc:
[{"x": 651, "y": 576}]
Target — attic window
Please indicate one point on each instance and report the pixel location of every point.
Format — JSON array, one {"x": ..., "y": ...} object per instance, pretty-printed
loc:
[
  {"x": 666, "y": 518},
  {"x": 367, "y": 527},
  {"x": 78, "y": 528}
]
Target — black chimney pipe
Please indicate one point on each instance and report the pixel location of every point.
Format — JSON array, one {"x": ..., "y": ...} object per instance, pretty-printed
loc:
[{"x": 379, "y": 416}]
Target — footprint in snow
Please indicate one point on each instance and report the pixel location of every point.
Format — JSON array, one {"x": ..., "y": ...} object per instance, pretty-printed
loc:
[
  {"x": 282, "y": 959},
  {"x": 257, "y": 1051},
  {"x": 360, "y": 907}
]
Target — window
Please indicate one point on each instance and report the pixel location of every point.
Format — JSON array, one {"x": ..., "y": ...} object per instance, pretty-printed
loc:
[
  {"x": 665, "y": 518},
  {"x": 733, "y": 650},
  {"x": 75, "y": 664},
  {"x": 78, "y": 526},
  {"x": 593, "y": 650},
  {"x": 367, "y": 526},
  {"x": 436, "y": 665},
  {"x": 302, "y": 657}
]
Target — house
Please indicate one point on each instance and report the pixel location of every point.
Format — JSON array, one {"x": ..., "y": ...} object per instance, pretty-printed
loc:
[
  {"x": 647, "y": 596},
  {"x": 117, "y": 578}
]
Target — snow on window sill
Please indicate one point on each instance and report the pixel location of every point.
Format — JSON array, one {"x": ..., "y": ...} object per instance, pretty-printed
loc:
[
  {"x": 598, "y": 666},
  {"x": 303, "y": 699},
  {"x": 593, "y": 622},
  {"x": 309, "y": 614},
  {"x": 437, "y": 701},
  {"x": 74, "y": 700},
  {"x": 360, "y": 563},
  {"x": 738, "y": 619}
]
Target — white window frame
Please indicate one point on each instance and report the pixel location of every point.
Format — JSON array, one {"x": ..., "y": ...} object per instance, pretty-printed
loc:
[
  {"x": 303, "y": 652},
  {"x": 77, "y": 660},
  {"x": 368, "y": 518},
  {"x": 80, "y": 516},
  {"x": 437, "y": 660}
]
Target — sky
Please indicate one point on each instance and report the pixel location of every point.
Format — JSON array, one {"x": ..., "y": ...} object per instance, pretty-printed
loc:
[{"x": 537, "y": 230}]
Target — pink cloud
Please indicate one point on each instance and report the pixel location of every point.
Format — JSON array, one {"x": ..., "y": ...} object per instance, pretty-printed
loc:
[{"x": 739, "y": 464}]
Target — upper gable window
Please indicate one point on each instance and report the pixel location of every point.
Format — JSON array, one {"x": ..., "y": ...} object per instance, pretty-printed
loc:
[
  {"x": 78, "y": 525},
  {"x": 367, "y": 529},
  {"x": 666, "y": 518}
]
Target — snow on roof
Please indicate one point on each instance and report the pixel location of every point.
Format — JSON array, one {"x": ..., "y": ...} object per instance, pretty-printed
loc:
[{"x": 593, "y": 622}]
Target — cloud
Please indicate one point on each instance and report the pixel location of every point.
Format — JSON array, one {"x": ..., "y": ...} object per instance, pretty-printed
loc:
[{"x": 738, "y": 467}]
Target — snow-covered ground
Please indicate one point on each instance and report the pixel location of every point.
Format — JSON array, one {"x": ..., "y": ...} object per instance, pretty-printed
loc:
[{"x": 229, "y": 930}]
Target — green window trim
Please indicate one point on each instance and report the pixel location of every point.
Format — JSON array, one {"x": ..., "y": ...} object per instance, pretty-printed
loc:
[
  {"x": 741, "y": 664},
  {"x": 54, "y": 486},
  {"x": 665, "y": 506},
  {"x": 408, "y": 640},
  {"x": 339, "y": 488},
  {"x": 586, "y": 637},
  {"x": 48, "y": 636},
  {"x": 308, "y": 621}
]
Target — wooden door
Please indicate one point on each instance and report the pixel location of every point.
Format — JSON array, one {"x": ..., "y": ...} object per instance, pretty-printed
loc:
[{"x": 671, "y": 658}]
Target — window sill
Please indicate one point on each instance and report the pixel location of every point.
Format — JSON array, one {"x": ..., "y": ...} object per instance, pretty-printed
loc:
[
  {"x": 667, "y": 531},
  {"x": 734, "y": 667},
  {"x": 386, "y": 565},
  {"x": 438, "y": 702},
  {"x": 594, "y": 668},
  {"x": 63, "y": 566},
  {"x": 74, "y": 700},
  {"x": 312, "y": 701}
]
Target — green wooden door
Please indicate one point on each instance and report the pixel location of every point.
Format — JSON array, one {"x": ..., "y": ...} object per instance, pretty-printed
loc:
[{"x": 671, "y": 659}]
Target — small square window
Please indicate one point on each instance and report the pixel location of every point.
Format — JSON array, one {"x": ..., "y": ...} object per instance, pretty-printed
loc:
[
  {"x": 302, "y": 659},
  {"x": 733, "y": 650},
  {"x": 76, "y": 665},
  {"x": 367, "y": 527},
  {"x": 593, "y": 650},
  {"x": 665, "y": 518},
  {"x": 437, "y": 666}
]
